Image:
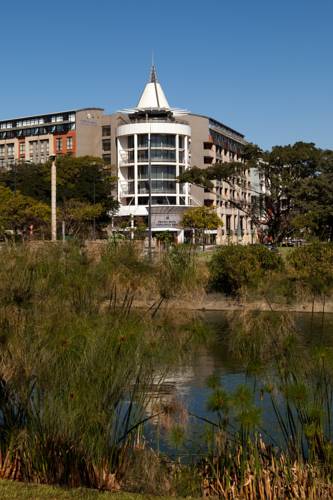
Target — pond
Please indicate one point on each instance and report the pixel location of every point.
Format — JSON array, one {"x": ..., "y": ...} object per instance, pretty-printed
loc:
[{"x": 186, "y": 391}]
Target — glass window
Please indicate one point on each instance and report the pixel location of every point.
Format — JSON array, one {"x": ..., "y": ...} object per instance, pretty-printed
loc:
[
  {"x": 142, "y": 200},
  {"x": 164, "y": 200},
  {"x": 130, "y": 142},
  {"x": 143, "y": 155},
  {"x": 106, "y": 145},
  {"x": 106, "y": 130},
  {"x": 157, "y": 172},
  {"x": 163, "y": 141},
  {"x": 181, "y": 142},
  {"x": 157, "y": 186},
  {"x": 69, "y": 143},
  {"x": 142, "y": 140},
  {"x": 130, "y": 156},
  {"x": 163, "y": 155},
  {"x": 59, "y": 144},
  {"x": 107, "y": 159},
  {"x": 181, "y": 156},
  {"x": 130, "y": 172}
]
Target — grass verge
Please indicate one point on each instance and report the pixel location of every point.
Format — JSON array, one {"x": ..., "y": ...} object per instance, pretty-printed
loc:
[{"x": 11, "y": 490}]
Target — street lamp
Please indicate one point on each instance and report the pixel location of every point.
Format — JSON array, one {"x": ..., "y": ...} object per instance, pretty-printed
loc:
[{"x": 53, "y": 198}]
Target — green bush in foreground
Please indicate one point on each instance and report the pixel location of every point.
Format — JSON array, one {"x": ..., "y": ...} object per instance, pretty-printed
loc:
[{"x": 236, "y": 268}]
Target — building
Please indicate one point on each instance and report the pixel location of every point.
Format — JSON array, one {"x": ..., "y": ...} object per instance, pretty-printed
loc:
[{"x": 170, "y": 139}]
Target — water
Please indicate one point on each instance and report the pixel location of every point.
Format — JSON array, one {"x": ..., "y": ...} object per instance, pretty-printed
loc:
[{"x": 186, "y": 385}]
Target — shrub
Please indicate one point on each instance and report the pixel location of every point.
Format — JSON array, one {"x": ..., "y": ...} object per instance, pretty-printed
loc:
[
  {"x": 312, "y": 265},
  {"x": 236, "y": 267}
]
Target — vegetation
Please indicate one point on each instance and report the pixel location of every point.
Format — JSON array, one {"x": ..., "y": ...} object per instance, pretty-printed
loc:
[
  {"x": 298, "y": 188},
  {"x": 76, "y": 360},
  {"x": 81, "y": 374},
  {"x": 84, "y": 197},
  {"x": 201, "y": 219},
  {"x": 236, "y": 268},
  {"x": 12, "y": 490}
]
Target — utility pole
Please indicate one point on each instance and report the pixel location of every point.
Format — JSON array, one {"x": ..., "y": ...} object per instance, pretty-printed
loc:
[
  {"x": 149, "y": 198},
  {"x": 53, "y": 199}
]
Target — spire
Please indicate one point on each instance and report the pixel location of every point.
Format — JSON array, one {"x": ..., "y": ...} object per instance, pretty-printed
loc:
[
  {"x": 153, "y": 96},
  {"x": 153, "y": 74}
]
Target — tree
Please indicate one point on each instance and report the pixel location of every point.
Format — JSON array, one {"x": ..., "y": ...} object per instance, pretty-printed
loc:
[
  {"x": 83, "y": 180},
  {"x": 287, "y": 172},
  {"x": 19, "y": 213},
  {"x": 201, "y": 219},
  {"x": 79, "y": 216}
]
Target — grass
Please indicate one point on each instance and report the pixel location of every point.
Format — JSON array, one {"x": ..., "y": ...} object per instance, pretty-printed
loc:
[{"x": 11, "y": 490}]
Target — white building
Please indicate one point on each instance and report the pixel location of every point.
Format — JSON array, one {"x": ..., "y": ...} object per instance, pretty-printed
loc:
[{"x": 156, "y": 130}]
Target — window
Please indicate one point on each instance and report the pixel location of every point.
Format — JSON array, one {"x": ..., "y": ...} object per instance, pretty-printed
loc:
[
  {"x": 2, "y": 150},
  {"x": 157, "y": 172},
  {"x": 181, "y": 142},
  {"x": 130, "y": 172},
  {"x": 107, "y": 159},
  {"x": 142, "y": 200},
  {"x": 130, "y": 142},
  {"x": 163, "y": 141},
  {"x": 10, "y": 149},
  {"x": 106, "y": 144},
  {"x": 106, "y": 131},
  {"x": 69, "y": 143},
  {"x": 143, "y": 155},
  {"x": 157, "y": 186},
  {"x": 58, "y": 144},
  {"x": 163, "y": 155},
  {"x": 143, "y": 141},
  {"x": 22, "y": 148}
]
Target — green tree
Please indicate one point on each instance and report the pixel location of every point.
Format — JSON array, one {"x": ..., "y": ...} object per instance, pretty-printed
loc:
[
  {"x": 19, "y": 213},
  {"x": 235, "y": 269},
  {"x": 79, "y": 216},
  {"x": 297, "y": 179},
  {"x": 84, "y": 180},
  {"x": 201, "y": 219}
]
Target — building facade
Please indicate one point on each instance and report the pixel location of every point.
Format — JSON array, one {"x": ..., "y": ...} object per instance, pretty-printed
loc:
[{"x": 169, "y": 139}]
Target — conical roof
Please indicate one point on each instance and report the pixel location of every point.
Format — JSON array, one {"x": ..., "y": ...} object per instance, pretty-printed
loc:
[{"x": 153, "y": 96}]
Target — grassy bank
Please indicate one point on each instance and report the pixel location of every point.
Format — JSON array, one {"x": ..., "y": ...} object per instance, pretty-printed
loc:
[
  {"x": 81, "y": 374},
  {"x": 12, "y": 490}
]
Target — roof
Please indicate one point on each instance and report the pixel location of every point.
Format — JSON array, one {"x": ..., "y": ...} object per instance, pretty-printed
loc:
[{"x": 153, "y": 96}]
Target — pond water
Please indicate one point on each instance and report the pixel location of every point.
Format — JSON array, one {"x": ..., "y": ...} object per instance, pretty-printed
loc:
[{"x": 186, "y": 386}]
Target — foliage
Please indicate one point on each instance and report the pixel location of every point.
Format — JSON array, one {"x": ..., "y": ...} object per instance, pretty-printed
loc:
[
  {"x": 74, "y": 361},
  {"x": 81, "y": 182},
  {"x": 201, "y": 218},
  {"x": 79, "y": 215},
  {"x": 18, "y": 212},
  {"x": 312, "y": 266},
  {"x": 235, "y": 268},
  {"x": 298, "y": 188}
]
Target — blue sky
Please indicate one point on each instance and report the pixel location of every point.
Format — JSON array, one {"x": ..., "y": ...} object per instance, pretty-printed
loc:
[{"x": 264, "y": 68}]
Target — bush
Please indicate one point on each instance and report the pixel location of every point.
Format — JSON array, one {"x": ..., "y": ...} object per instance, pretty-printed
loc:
[
  {"x": 236, "y": 267},
  {"x": 312, "y": 265}
]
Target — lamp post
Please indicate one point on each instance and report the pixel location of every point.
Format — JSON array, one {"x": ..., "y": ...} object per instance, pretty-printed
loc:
[
  {"x": 53, "y": 199},
  {"x": 149, "y": 197}
]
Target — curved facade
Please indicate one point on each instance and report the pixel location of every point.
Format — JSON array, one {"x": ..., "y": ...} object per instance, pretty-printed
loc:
[{"x": 168, "y": 143}]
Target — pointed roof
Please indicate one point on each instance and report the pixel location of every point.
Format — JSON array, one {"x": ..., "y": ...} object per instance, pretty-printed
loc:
[{"x": 153, "y": 96}]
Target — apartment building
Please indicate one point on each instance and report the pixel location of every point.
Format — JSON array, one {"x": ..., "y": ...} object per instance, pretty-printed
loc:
[{"x": 170, "y": 139}]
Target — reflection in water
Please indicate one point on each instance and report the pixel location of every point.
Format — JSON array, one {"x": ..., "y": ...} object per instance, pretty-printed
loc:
[{"x": 187, "y": 387}]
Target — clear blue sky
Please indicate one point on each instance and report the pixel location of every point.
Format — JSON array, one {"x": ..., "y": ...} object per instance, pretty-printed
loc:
[{"x": 264, "y": 67}]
